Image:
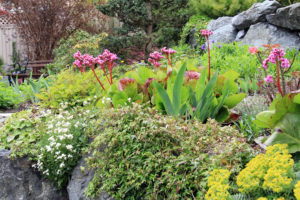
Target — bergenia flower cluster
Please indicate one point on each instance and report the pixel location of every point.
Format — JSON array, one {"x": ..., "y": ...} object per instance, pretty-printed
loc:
[
  {"x": 277, "y": 56},
  {"x": 104, "y": 60},
  {"x": 155, "y": 57},
  {"x": 190, "y": 75},
  {"x": 169, "y": 54},
  {"x": 253, "y": 50}
]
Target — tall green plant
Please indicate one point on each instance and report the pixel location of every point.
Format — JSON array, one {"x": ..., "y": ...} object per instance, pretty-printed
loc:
[{"x": 173, "y": 107}]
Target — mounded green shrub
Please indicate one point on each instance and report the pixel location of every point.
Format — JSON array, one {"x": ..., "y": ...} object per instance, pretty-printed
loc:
[
  {"x": 198, "y": 22},
  {"x": 151, "y": 156},
  {"x": 219, "y": 8}
]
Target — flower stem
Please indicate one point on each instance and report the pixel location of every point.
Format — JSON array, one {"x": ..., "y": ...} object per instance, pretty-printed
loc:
[
  {"x": 97, "y": 78},
  {"x": 278, "y": 79},
  {"x": 208, "y": 57}
]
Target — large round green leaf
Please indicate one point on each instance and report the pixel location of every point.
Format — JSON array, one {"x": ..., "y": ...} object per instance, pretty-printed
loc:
[{"x": 287, "y": 131}]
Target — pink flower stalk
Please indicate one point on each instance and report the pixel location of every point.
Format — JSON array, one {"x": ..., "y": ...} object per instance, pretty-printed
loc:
[
  {"x": 169, "y": 54},
  {"x": 125, "y": 82},
  {"x": 207, "y": 33},
  {"x": 155, "y": 57},
  {"x": 192, "y": 75},
  {"x": 147, "y": 84},
  {"x": 276, "y": 57},
  {"x": 253, "y": 50},
  {"x": 269, "y": 79},
  {"x": 87, "y": 61},
  {"x": 108, "y": 59}
]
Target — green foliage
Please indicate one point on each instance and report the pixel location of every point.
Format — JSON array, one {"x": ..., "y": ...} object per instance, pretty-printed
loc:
[
  {"x": 160, "y": 157},
  {"x": 288, "y": 2},
  {"x": 177, "y": 107},
  {"x": 198, "y": 22},
  {"x": 8, "y": 97},
  {"x": 72, "y": 87},
  {"x": 283, "y": 118},
  {"x": 79, "y": 41},
  {"x": 167, "y": 19},
  {"x": 220, "y": 8},
  {"x": 233, "y": 57},
  {"x": 18, "y": 132}
]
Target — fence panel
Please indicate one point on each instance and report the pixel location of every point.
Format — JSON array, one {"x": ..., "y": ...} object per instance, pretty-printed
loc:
[{"x": 8, "y": 35}]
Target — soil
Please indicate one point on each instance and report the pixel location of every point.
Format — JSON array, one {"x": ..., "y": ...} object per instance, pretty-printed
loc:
[{"x": 21, "y": 107}]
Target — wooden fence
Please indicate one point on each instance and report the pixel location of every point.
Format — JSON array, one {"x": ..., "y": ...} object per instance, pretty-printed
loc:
[{"x": 8, "y": 35}]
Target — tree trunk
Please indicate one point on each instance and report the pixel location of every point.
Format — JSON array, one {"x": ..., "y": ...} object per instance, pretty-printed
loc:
[{"x": 149, "y": 28}]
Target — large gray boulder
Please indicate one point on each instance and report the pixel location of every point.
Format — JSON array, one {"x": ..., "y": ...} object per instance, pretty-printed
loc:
[
  {"x": 287, "y": 17},
  {"x": 264, "y": 33},
  {"x": 79, "y": 183},
  {"x": 19, "y": 182},
  {"x": 225, "y": 34},
  {"x": 257, "y": 13},
  {"x": 218, "y": 23}
]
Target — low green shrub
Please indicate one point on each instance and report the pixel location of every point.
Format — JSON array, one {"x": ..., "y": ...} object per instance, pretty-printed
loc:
[
  {"x": 72, "y": 87},
  {"x": 198, "y": 22},
  {"x": 79, "y": 41},
  {"x": 8, "y": 97},
  {"x": 236, "y": 56},
  {"x": 219, "y": 8},
  {"x": 151, "y": 156}
]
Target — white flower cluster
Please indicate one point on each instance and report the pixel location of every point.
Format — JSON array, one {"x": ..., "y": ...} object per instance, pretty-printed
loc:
[{"x": 59, "y": 146}]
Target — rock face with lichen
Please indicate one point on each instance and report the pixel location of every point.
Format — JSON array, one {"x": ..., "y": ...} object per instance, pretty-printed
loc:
[
  {"x": 264, "y": 23},
  {"x": 18, "y": 181}
]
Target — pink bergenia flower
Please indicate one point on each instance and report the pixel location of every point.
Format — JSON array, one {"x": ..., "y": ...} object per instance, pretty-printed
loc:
[
  {"x": 77, "y": 63},
  {"x": 269, "y": 79},
  {"x": 265, "y": 63},
  {"x": 277, "y": 55},
  {"x": 168, "y": 51},
  {"x": 88, "y": 60},
  {"x": 206, "y": 32},
  {"x": 125, "y": 82},
  {"x": 169, "y": 54},
  {"x": 77, "y": 55},
  {"x": 155, "y": 57},
  {"x": 192, "y": 75},
  {"x": 285, "y": 63},
  {"x": 253, "y": 50}
]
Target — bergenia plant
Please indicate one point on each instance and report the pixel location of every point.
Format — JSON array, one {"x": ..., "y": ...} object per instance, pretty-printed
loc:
[
  {"x": 104, "y": 60},
  {"x": 155, "y": 57},
  {"x": 108, "y": 59},
  {"x": 207, "y": 33},
  {"x": 169, "y": 54},
  {"x": 276, "y": 57}
]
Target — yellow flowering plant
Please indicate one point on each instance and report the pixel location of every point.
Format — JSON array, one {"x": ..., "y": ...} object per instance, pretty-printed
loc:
[
  {"x": 218, "y": 183},
  {"x": 269, "y": 172}
]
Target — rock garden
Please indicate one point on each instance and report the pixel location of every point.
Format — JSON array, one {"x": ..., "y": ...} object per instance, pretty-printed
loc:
[{"x": 186, "y": 99}]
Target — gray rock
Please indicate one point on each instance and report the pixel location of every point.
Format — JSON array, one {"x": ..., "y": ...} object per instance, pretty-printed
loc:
[
  {"x": 192, "y": 41},
  {"x": 264, "y": 33},
  {"x": 287, "y": 17},
  {"x": 240, "y": 35},
  {"x": 225, "y": 34},
  {"x": 79, "y": 183},
  {"x": 19, "y": 182},
  {"x": 257, "y": 13},
  {"x": 218, "y": 23}
]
